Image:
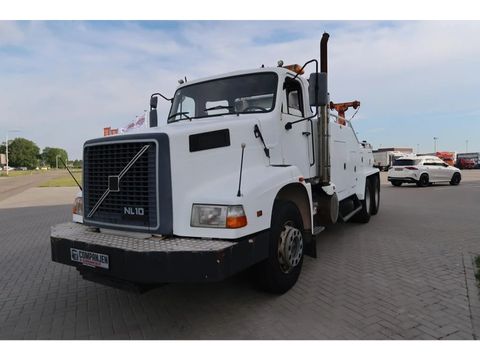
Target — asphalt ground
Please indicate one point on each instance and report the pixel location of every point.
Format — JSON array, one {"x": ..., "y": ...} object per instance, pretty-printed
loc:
[
  {"x": 10, "y": 186},
  {"x": 407, "y": 274}
]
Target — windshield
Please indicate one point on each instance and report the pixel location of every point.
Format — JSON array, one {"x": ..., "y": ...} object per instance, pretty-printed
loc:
[
  {"x": 405, "y": 162},
  {"x": 233, "y": 95}
]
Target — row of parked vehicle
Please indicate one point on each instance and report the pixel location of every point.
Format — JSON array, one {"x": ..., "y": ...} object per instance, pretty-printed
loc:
[
  {"x": 423, "y": 171},
  {"x": 23, "y": 168}
]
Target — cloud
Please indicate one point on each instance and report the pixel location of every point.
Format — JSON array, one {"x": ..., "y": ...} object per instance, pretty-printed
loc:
[{"x": 62, "y": 82}]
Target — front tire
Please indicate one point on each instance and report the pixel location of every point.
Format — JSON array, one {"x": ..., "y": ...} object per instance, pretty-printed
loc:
[
  {"x": 280, "y": 271},
  {"x": 456, "y": 178},
  {"x": 423, "y": 181},
  {"x": 396, "y": 183}
]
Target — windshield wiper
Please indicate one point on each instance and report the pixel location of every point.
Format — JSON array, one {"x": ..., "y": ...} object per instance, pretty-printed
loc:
[
  {"x": 218, "y": 107},
  {"x": 183, "y": 113}
]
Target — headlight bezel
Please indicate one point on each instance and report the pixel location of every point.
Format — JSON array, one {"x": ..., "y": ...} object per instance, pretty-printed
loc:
[{"x": 221, "y": 216}]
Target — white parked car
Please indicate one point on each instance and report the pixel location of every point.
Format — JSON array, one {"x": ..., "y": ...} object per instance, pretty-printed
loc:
[{"x": 423, "y": 171}]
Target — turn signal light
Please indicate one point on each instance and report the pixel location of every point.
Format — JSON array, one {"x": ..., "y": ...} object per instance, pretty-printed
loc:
[
  {"x": 236, "y": 217},
  {"x": 77, "y": 207},
  {"x": 236, "y": 222}
]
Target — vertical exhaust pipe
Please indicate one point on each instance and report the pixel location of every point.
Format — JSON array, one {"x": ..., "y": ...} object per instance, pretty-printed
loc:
[
  {"x": 323, "y": 132},
  {"x": 324, "y": 53}
]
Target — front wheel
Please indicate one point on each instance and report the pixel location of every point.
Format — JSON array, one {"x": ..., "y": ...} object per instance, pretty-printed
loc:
[
  {"x": 396, "y": 183},
  {"x": 280, "y": 271},
  {"x": 456, "y": 178}
]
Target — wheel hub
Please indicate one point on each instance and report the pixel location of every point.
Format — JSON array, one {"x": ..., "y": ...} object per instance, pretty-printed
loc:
[{"x": 290, "y": 249}]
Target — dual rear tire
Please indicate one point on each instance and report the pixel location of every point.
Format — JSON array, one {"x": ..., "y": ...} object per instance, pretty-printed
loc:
[{"x": 371, "y": 202}]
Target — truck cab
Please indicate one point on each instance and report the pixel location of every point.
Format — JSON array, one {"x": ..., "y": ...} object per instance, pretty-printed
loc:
[{"x": 246, "y": 170}]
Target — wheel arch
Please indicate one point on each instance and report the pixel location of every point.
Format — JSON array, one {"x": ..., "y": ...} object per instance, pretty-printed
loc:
[{"x": 298, "y": 194}]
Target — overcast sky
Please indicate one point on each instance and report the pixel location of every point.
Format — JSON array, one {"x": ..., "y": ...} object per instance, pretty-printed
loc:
[{"x": 62, "y": 82}]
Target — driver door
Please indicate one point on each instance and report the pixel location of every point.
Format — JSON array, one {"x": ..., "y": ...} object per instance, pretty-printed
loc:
[{"x": 296, "y": 142}]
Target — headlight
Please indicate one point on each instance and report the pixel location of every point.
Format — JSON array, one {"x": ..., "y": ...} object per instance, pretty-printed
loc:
[
  {"x": 78, "y": 206},
  {"x": 218, "y": 216}
]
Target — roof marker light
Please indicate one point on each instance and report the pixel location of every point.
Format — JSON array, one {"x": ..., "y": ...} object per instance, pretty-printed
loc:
[{"x": 295, "y": 68}]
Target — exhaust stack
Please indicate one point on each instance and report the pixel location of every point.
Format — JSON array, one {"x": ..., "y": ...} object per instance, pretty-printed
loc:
[
  {"x": 324, "y": 53},
  {"x": 323, "y": 133}
]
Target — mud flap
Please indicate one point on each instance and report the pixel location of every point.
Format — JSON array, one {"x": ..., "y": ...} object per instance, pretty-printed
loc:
[{"x": 310, "y": 246}]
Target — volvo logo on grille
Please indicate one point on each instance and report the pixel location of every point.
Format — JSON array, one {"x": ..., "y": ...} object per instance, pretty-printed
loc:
[
  {"x": 128, "y": 210},
  {"x": 114, "y": 183}
]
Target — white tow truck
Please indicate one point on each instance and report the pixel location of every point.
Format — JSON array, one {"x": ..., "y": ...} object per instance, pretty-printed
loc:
[{"x": 249, "y": 169}]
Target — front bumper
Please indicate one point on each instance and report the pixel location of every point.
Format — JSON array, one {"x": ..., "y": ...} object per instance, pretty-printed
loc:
[{"x": 155, "y": 260}]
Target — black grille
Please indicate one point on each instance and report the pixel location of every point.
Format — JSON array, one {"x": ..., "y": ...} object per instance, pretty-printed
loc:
[{"x": 132, "y": 201}]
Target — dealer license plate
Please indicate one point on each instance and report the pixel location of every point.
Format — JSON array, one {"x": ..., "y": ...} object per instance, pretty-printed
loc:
[{"x": 89, "y": 258}]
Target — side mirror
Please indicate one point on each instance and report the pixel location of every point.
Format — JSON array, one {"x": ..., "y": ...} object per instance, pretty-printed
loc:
[
  {"x": 153, "y": 102},
  {"x": 318, "y": 97},
  {"x": 153, "y": 117}
]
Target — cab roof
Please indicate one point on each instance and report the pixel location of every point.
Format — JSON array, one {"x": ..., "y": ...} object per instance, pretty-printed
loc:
[{"x": 280, "y": 71}]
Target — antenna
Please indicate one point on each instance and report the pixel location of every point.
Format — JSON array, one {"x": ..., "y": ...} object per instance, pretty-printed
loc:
[
  {"x": 66, "y": 167},
  {"x": 241, "y": 169}
]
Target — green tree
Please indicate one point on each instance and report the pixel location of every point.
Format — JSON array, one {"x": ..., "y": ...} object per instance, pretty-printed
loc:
[
  {"x": 77, "y": 163},
  {"x": 23, "y": 152},
  {"x": 49, "y": 157}
]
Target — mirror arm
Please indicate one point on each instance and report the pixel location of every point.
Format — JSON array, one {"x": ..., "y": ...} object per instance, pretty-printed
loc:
[
  {"x": 158, "y": 94},
  {"x": 289, "y": 124},
  {"x": 304, "y": 65}
]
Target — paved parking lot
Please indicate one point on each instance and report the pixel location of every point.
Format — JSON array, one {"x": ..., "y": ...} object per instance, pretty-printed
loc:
[{"x": 406, "y": 275}]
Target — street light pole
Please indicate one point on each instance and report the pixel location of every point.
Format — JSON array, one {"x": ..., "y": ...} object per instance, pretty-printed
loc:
[
  {"x": 6, "y": 151},
  {"x": 435, "y": 144}
]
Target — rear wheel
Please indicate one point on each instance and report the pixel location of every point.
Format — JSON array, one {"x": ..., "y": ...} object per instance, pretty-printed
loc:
[
  {"x": 363, "y": 216},
  {"x": 456, "y": 178},
  {"x": 375, "y": 193},
  {"x": 396, "y": 183},
  {"x": 423, "y": 181},
  {"x": 281, "y": 270}
]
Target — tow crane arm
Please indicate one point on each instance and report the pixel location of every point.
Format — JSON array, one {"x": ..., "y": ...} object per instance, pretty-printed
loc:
[{"x": 341, "y": 108}]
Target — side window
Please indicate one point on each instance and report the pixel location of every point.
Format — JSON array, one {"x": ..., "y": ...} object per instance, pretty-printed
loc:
[
  {"x": 433, "y": 162},
  {"x": 293, "y": 92}
]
